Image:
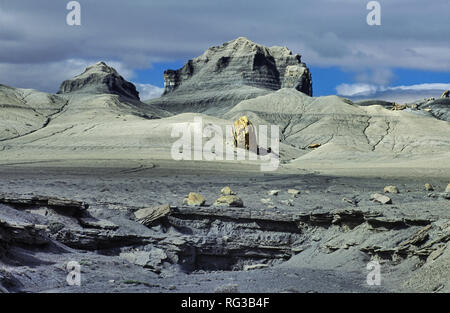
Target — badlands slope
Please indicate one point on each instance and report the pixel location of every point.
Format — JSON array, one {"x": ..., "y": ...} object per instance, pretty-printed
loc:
[
  {"x": 79, "y": 126},
  {"x": 97, "y": 115},
  {"x": 351, "y": 136}
]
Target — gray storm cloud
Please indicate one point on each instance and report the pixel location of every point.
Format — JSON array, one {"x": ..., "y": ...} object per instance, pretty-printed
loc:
[{"x": 137, "y": 33}]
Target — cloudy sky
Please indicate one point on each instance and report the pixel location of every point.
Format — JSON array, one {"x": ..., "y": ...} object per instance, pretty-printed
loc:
[{"x": 142, "y": 38}]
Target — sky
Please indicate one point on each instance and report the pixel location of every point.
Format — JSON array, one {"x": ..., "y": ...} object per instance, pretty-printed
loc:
[{"x": 142, "y": 38}]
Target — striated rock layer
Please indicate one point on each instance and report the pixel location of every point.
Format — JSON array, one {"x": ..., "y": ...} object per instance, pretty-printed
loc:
[
  {"x": 225, "y": 75},
  {"x": 100, "y": 79}
]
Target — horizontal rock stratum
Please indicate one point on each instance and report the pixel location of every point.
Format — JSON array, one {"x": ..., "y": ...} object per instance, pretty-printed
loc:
[{"x": 225, "y": 75}]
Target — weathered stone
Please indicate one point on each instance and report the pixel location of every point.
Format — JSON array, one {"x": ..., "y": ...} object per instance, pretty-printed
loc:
[
  {"x": 266, "y": 201},
  {"x": 294, "y": 192},
  {"x": 447, "y": 189},
  {"x": 445, "y": 94},
  {"x": 149, "y": 216},
  {"x": 232, "y": 201},
  {"x": 244, "y": 134},
  {"x": 194, "y": 199},
  {"x": 287, "y": 202},
  {"x": 255, "y": 267},
  {"x": 314, "y": 145},
  {"x": 391, "y": 189},
  {"x": 273, "y": 192},
  {"x": 376, "y": 197},
  {"x": 226, "y": 191},
  {"x": 398, "y": 107},
  {"x": 429, "y": 187}
]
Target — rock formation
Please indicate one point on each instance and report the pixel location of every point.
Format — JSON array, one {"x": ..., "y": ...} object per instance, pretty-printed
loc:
[
  {"x": 225, "y": 75},
  {"x": 244, "y": 134},
  {"x": 100, "y": 79}
]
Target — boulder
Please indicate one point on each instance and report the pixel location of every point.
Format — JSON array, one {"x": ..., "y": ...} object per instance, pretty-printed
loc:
[
  {"x": 445, "y": 94},
  {"x": 194, "y": 199},
  {"x": 232, "y": 201},
  {"x": 226, "y": 191},
  {"x": 152, "y": 259},
  {"x": 273, "y": 192},
  {"x": 391, "y": 189},
  {"x": 376, "y": 197},
  {"x": 314, "y": 145},
  {"x": 148, "y": 216},
  {"x": 429, "y": 187},
  {"x": 294, "y": 192},
  {"x": 244, "y": 134},
  {"x": 448, "y": 188}
]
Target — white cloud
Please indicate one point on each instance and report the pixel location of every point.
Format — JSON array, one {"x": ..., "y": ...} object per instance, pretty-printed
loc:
[
  {"x": 401, "y": 94},
  {"x": 49, "y": 76},
  {"x": 353, "y": 89},
  {"x": 147, "y": 91},
  {"x": 433, "y": 86}
]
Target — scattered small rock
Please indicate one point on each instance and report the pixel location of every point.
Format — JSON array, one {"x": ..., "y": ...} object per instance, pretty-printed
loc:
[
  {"x": 376, "y": 197},
  {"x": 391, "y": 189},
  {"x": 293, "y": 192},
  {"x": 148, "y": 259},
  {"x": 273, "y": 192},
  {"x": 287, "y": 202},
  {"x": 266, "y": 201},
  {"x": 194, "y": 199},
  {"x": 232, "y": 201}
]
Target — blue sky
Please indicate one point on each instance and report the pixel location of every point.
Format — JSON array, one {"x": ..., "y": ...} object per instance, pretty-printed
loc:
[{"x": 142, "y": 38}]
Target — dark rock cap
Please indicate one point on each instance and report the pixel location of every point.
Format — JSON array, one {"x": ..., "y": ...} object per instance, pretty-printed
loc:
[{"x": 99, "y": 79}]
